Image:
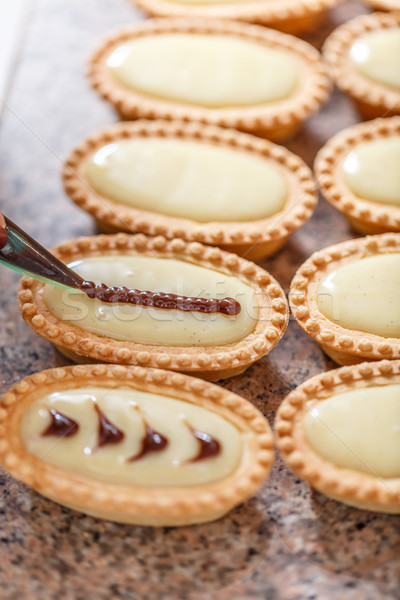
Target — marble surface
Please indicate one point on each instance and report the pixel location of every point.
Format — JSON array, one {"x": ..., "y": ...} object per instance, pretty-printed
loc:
[{"x": 286, "y": 543}]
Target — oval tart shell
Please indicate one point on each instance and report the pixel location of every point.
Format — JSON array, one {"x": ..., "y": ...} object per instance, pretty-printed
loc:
[
  {"x": 384, "y": 5},
  {"x": 345, "y": 346},
  {"x": 290, "y": 16},
  {"x": 254, "y": 239},
  {"x": 352, "y": 487},
  {"x": 365, "y": 216},
  {"x": 212, "y": 362},
  {"x": 371, "y": 98},
  {"x": 275, "y": 120},
  {"x": 155, "y": 505}
]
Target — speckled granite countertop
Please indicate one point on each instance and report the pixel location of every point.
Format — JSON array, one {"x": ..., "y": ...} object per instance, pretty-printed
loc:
[{"x": 287, "y": 543}]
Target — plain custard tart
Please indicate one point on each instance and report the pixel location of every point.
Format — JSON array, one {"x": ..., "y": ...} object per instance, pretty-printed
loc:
[
  {"x": 347, "y": 298},
  {"x": 211, "y": 345},
  {"x": 290, "y": 16},
  {"x": 364, "y": 55},
  {"x": 358, "y": 171},
  {"x": 387, "y": 5},
  {"x": 217, "y": 72},
  {"x": 134, "y": 445},
  {"x": 340, "y": 432},
  {"x": 197, "y": 182}
]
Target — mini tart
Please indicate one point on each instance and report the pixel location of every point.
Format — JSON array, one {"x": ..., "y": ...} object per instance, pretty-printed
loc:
[
  {"x": 289, "y": 16},
  {"x": 373, "y": 98},
  {"x": 276, "y": 119},
  {"x": 386, "y": 5},
  {"x": 124, "y": 491},
  {"x": 347, "y": 484},
  {"x": 209, "y": 361},
  {"x": 364, "y": 215},
  {"x": 254, "y": 239},
  {"x": 344, "y": 345}
]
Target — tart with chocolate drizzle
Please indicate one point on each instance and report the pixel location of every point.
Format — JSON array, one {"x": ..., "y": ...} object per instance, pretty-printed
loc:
[
  {"x": 214, "y": 340},
  {"x": 134, "y": 445},
  {"x": 340, "y": 432},
  {"x": 197, "y": 182},
  {"x": 346, "y": 297}
]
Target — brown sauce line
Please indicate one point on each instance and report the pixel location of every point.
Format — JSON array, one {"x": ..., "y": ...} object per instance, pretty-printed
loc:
[
  {"x": 61, "y": 425},
  {"x": 161, "y": 300},
  {"x": 108, "y": 433},
  {"x": 21, "y": 250},
  {"x": 209, "y": 446},
  {"x": 153, "y": 441}
]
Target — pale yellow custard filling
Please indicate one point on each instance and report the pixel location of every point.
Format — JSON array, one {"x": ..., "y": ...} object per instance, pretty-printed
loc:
[
  {"x": 213, "y": 71},
  {"x": 358, "y": 430},
  {"x": 154, "y": 326},
  {"x": 372, "y": 170},
  {"x": 364, "y": 295},
  {"x": 187, "y": 179},
  {"x": 376, "y": 55},
  {"x": 176, "y": 455}
]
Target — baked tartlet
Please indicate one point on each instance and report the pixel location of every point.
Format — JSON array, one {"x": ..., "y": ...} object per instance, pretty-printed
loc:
[
  {"x": 364, "y": 56},
  {"x": 387, "y": 5},
  {"x": 358, "y": 171},
  {"x": 346, "y": 297},
  {"x": 211, "y": 71},
  {"x": 211, "y": 345},
  {"x": 134, "y": 445},
  {"x": 289, "y": 16},
  {"x": 197, "y": 182},
  {"x": 340, "y": 432}
]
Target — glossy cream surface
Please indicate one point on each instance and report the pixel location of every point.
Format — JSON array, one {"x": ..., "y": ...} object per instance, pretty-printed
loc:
[
  {"x": 376, "y": 55},
  {"x": 129, "y": 410},
  {"x": 213, "y": 71},
  {"x": 358, "y": 430},
  {"x": 364, "y": 295},
  {"x": 154, "y": 326},
  {"x": 372, "y": 170},
  {"x": 189, "y": 180}
]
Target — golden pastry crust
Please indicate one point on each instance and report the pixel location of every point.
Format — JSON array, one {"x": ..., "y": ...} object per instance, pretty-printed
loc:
[
  {"x": 274, "y": 120},
  {"x": 211, "y": 362},
  {"x": 254, "y": 239},
  {"x": 345, "y": 346},
  {"x": 136, "y": 504},
  {"x": 366, "y": 216},
  {"x": 352, "y": 487},
  {"x": 372, "y": 98},
  {"x": 384, "y": 4},
  {"x": 290, "y": 16}
]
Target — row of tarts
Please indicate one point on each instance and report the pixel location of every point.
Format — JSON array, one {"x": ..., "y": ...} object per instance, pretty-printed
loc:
[{"x": 136, "y": 438}]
